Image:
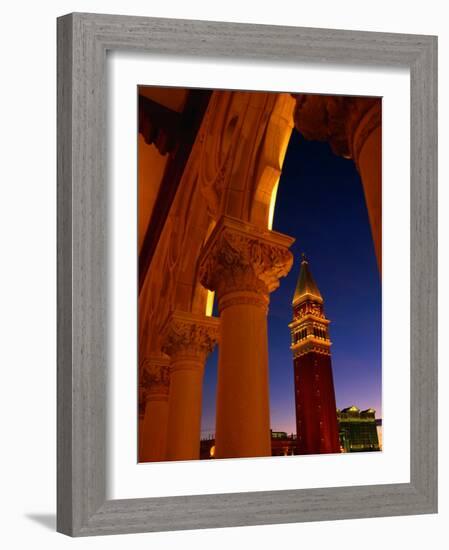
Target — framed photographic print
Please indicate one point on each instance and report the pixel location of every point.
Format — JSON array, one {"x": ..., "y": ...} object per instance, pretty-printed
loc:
[{"x": 246, "y": 274}]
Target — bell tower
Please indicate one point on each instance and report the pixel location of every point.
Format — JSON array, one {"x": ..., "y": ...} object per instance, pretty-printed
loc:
[{"x": 316, "y": 416}]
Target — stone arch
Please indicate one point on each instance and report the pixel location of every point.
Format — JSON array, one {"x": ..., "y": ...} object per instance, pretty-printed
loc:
[
  {"x": 276, "y": 139},
  {"x": 352, "y": 127},
  {"x": 243, "y": 144}
]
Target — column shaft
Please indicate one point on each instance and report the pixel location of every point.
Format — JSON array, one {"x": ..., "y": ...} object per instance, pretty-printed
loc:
[
  {"x": 188, "y": 339},
  {"x": 243, "y": 413},
  {"x": 154, "y": 430},
  {"x": 184, "y": 421},
  {"x": 243, "y": 264},
  {"x": 155, "y": 382}
]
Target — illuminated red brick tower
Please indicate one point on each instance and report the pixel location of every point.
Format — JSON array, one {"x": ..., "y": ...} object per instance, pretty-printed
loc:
[{"x": 316, "y": 417}]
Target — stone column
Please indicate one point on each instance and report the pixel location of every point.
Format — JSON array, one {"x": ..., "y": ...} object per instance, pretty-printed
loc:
[
  {"x": 155, "y": 383},
  {"x": 188, "y": 339},
  {"x": 243, "y": 264}
]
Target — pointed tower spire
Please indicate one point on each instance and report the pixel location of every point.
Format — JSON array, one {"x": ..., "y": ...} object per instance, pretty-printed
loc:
[
  {"x": 306, "y": 288},
  {"x": 316, "y": 414}
]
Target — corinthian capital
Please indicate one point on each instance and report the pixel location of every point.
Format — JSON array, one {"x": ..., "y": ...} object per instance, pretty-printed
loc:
[
  {"x": 345, "y": 122},
  {"x": 240, "y": 257},
  {"x": 155, "y": 375},
  {"x": 188, "y": 334}
]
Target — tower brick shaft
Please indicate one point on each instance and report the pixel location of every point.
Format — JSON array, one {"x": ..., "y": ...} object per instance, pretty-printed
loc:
[{"x": 316, "y": 416}]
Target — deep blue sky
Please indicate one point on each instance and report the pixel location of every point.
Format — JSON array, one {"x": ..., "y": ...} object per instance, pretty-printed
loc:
[{"x": 320, "y": 202}]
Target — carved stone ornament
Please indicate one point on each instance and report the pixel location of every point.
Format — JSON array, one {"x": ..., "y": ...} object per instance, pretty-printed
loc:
[
  {"x": 345, "y": 122},
  {"x": 240, "y": 258},
  {"x": 155, "y": 375},
  {"x": 188, "y": 334}
]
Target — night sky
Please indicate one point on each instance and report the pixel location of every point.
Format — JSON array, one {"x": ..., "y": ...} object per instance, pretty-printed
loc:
[{"x": 320, "y": 202}]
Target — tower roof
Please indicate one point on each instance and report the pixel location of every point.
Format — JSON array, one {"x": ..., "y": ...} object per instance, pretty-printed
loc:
[{"x": 306, "y": 288}]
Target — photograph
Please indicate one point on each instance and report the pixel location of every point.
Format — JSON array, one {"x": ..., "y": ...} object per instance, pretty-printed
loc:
[
  {"x": 259, "y": 274},
  {"x": 224, "y": 234}
]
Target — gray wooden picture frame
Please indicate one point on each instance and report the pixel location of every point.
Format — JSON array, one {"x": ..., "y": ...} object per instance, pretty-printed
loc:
[{"x": 83, "y": 40}]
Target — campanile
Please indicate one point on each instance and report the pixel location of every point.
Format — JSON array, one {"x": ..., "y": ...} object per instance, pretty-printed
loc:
[{"x": 316, "y": 417}]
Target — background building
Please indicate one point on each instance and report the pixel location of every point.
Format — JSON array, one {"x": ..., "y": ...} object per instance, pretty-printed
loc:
[{"x": 358, "y": 430}]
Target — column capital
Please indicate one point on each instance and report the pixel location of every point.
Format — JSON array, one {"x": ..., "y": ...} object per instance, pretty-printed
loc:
[
  {"x": 155, "y": 376},
  {"x": 187, "y": 334},
  {"x": 345, "y": 122},
  {"x": 244, "y": 260}
]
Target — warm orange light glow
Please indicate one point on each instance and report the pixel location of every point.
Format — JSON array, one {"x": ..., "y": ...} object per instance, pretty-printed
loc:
[
  {"x": 212, "y": 451},
  {"x": 272, "y": 205},
  {"x": 210, "y": 303}
]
